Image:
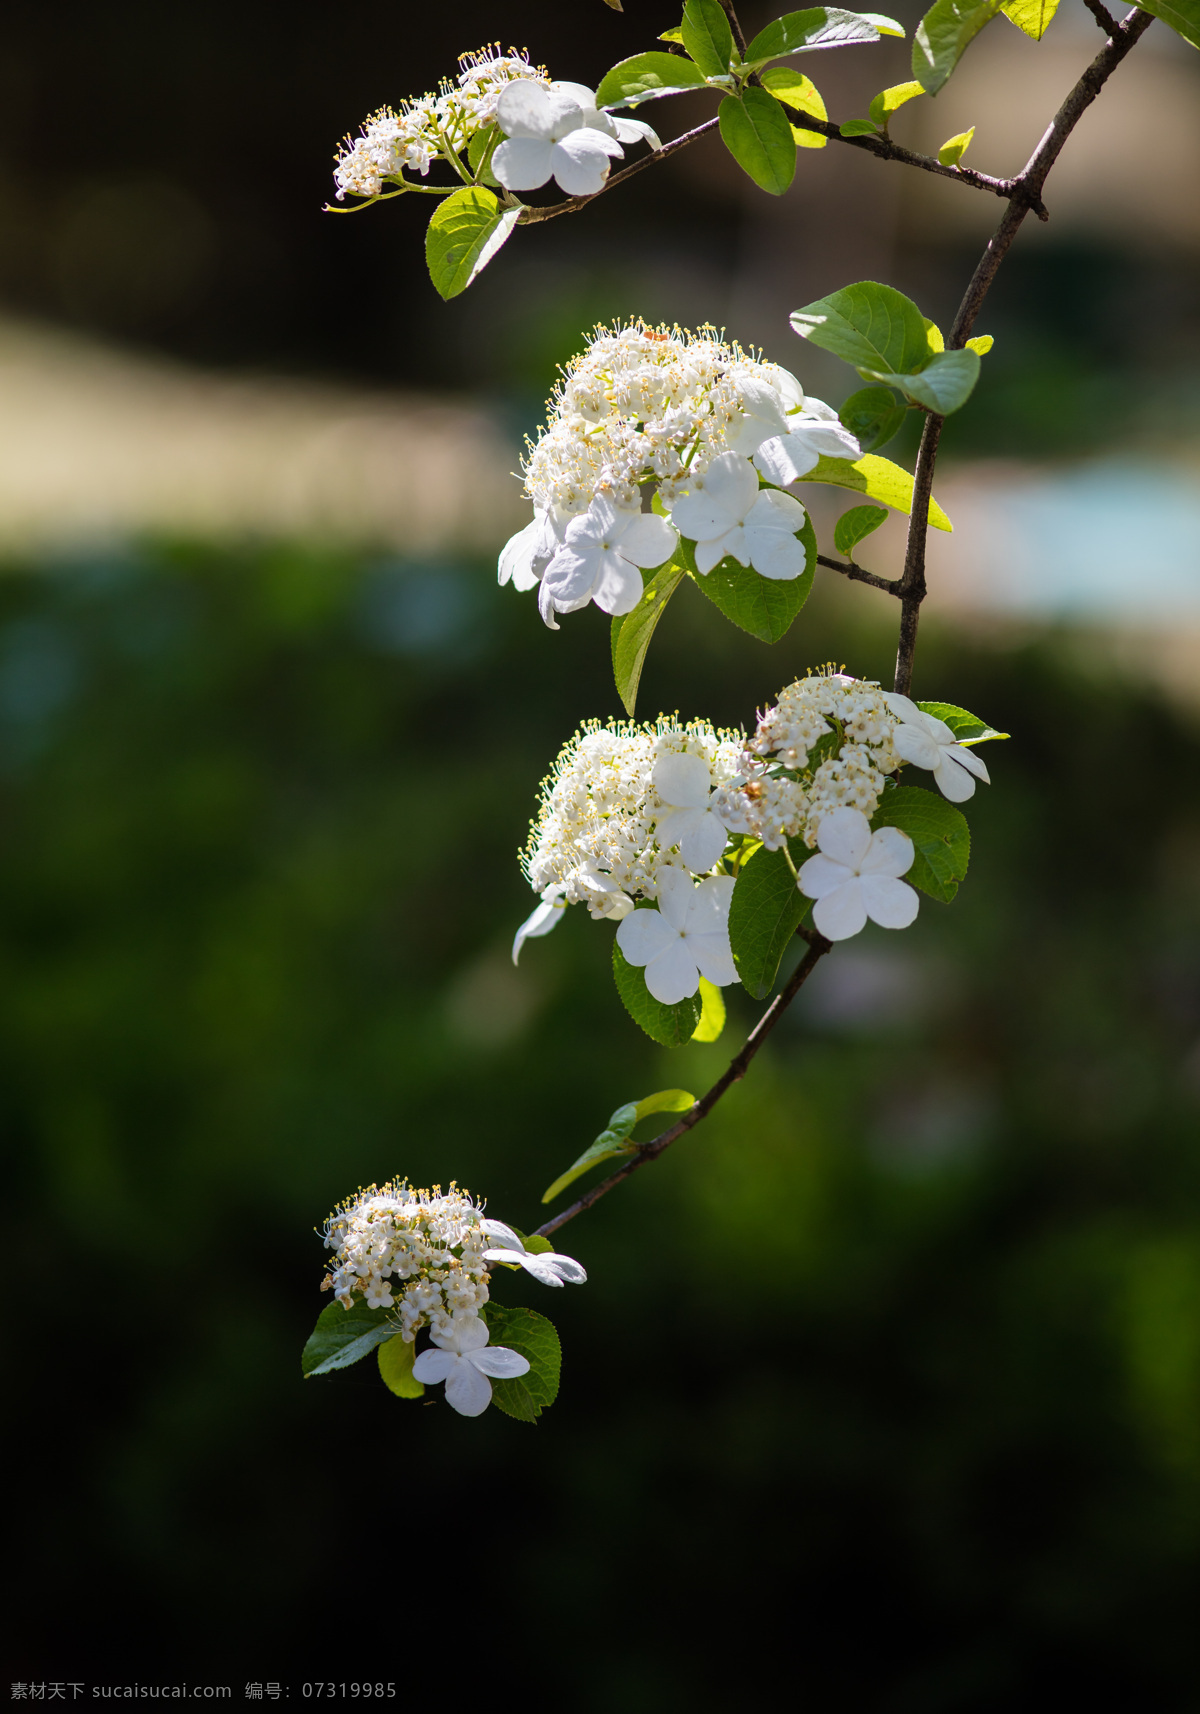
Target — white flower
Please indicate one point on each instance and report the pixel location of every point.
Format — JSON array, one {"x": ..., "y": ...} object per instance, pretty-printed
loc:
[
  {"x": 767, "y": 398},
  {"x": 813, "y": 434},
  {"x": 462, "y": 1361},
  {"x": 624, "y": 130},
  {"x": 927, "y": 742},
  {"x": 599, "y": 557},
  {"x": 548, "y": 137},
  {"x": 685, "y": 938},
  {"x": 684, "y": 783},
  {"x": 856, "y": 876},
  {"x": 544, "y": 1265},
  {"x": 526, "y": 555},
  {"x": 546, "y": 916},
  {"x": 602, "y": 895},
  {"x": 725, "y": 512}
]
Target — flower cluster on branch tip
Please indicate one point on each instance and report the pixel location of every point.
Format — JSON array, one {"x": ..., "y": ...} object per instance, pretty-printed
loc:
[
  {"x": 689, "y": 421},
  {"x": 425, "y": 1256}
]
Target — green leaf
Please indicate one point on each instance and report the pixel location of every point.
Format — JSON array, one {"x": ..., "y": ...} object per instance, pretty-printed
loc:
[
  {"x": 1032, "y": 16},
  {"x": 672, "y": 35},
  {"x": 480, "y": 147},
  {"x": 855, "y": 525},
  {"x": 764, "y": 606},
  {"x": 672, "y": 1026},
  {"x": 982, "y": 343},
  {"x": 631, "y": 634},
  {"x": 944, "y": 385},
  {"x": 1182, "y": 15},
  {"x": 535, "y": 1339},
  {"x": 874, "y": 416},
  {"x": 935, "y": 336},
  {"x": 877, "y": 478},
  {"x": 647, "y": 76},
  {"x": 666, "y": 1100},
  {"x": 802, "y": 95},
  {"x": 465, "y": 233},
  {"x": 944, "y": 35},
  {"x": 344, "y": 1336},
  {"x": 866, "y": 324},
  {"x": 759, "y": 138},
  {"x": 607, "y": 1147},
  {"x": 707, "y": 36},
  {"x": 888, "y": 100},
  {"x": 817, "y": 27},
  {"x": 766, "y": 910},
  {"x": 396, "y": 1358},
  {"x": 939, "y": 832},
  {"x": 712, "y": 1013},
  {"x": 967, "y": 728},
  {"x": 954, "y": 148},
  {"x": 859, "y": 128}
]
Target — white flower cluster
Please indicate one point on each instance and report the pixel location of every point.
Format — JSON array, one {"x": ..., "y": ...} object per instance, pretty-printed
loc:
[
  {"x": 426, "y": 1254},
  {"x": 826, "y": 744},
  {"x": 430, "y": 125},
  {"x": 698, "y": 417}
]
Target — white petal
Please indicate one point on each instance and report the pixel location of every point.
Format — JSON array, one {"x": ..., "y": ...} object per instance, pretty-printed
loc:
[
  {"x": 467, "y": 1390},
  {"x": 539, "y": 922},
  {"x": 902, "y": 707},
  {"x": 636, "y": 130},
  {"x": 433, "y": 1366},
  {"x": 701, "y": 517},
  {"x": 566, "y": 1267},
  {"x": 648, "y": 540},
  {"x": 526, "y": 109},
  {"x": 504, "y": 1234},
  {"x": 500, "y": 1362},
  {"x": 517, "y": 554},
  {"x": 703, "y": 842},
  {"x": 583, "y": 97},
  {"x": 546, "y": 608},
  {"x": 469, "y": 1334},
  {"x": 683, "y": 779},
  {"x": 673, "y": 975},
  {"x": 829, "y": 439},
  {"x": 570, "y": 578},
  {"x": 915, "y": 746},
  {"x": 676, "y": 897},
  {"x": 891, "y": 853},
  {"x": 713, "y": 957},
  {"x": 775, "y": 512},
  {"x": 730, "y": 482},
  {"x": 843, "y": 912},
  {"x": 845, "y": 835},
  {"x": 604, "y": 520},
  {"x": 953, "y": 782},
  {"x": 580, "y": 162},
  {"x": 784, "y": 460},
  {"x": 642, "y": 935},
  {"x": 821, "y": 875},
  {"x": 708, "y": 907},
  {"x": 971, "y": 760},
  {"x": 713, "y": 552},
  {"x": 619, "y": 585},
  {"x": 890, "y": 903},
  {"x": 750, "y": 434},
  {"x": 522, "y": 163},
  {"x": 761, "y": 400},
  {"x": 774, "y": 549}
]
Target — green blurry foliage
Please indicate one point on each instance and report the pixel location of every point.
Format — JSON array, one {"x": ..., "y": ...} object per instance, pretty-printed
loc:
[{"x": 905, "y": 1344}]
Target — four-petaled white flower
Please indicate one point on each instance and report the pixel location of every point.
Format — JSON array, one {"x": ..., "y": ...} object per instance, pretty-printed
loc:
[
  {"x": 599, "y": 559},
  {"x": 856, "y": 876},
  {"x": 684, "y": 783},
  {"x": 546, "y": 916},
  {"x": 545, "y": 1265},
  {"x": 463, "y": 1362},
  {"x": 549, "y": 137},
  {"x": 927, "y": 742},
  {"x": 525, "y": 556},
  {"x": 725, "y": 512},
  {"x": 814, "y": 433},
  {"x": 596, "y": 119},
  {"x": 685, "y": 938}
]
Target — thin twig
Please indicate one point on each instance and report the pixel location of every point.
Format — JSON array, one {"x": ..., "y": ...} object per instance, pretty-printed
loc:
[
  {"x": 1026, "y": 195},
  {"x": 1102, "y": 16},
  {"x": 883, "y": 147},
  {"x": 818, "y": 946},
  {"x": 739, "y": 39},
  {"x": 848, "y": 568}
]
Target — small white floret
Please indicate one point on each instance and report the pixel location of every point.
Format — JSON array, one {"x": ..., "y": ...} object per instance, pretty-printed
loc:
[
  {"x": 929, "y": 743},
  {"x": 856, "y": 875}
]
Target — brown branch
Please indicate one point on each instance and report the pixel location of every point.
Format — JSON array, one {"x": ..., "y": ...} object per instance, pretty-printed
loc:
[
  {"x": 1102, "y": 16},
  {"x": 739, "y": 40},
  {"x": 818, "y": 946},
  {"x": 883, "y": 147},
  {"x": 1026, "y": 195},
  {"x": 858, "y": 575}
]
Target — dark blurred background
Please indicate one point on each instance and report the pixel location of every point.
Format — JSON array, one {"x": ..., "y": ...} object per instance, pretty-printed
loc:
[{"x": 884, "y": 1391}]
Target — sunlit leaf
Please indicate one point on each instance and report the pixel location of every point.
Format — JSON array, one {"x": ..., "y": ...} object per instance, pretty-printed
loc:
[
  {"x": 867, "y": 324},
  {"x": 944, "y": 384},
  {"x": 967, "y": 728},
  {"x": 631, "y": 634},
  {"x": 877, "y": 478},
  {"x": 707, "y": 36},
  {"x": 465, "y": 233},
  {"x": 712, "y": 1013},
  {"x": 817, "y": 27},
  {"x": 1182, "y": 15},
  {"x": 1032, "y": 16},
  {"x": 759, "y": 137},
  {"x": 943, "y": 36},
  {"x": 396, "y": 1358},
  {"x": 764, "y": 606},
  {"x": 647, "y": 76},
  {"x": 954, "y": 148},
  {"x": 888, "y": 100},
  {"x": 802, "y": 95},
  {"x": 859, "y": 128},
  {"x": 855, "y": 525}
]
